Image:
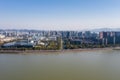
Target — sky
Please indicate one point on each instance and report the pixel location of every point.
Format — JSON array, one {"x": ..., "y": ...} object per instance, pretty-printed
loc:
[{"x": 59, "y": 14}]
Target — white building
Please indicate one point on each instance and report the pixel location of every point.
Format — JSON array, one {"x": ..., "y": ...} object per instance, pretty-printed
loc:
[{"x": 2, "y": 36}]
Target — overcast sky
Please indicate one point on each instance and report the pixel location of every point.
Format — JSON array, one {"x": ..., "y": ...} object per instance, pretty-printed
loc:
[{"x": 59, "y": 14}]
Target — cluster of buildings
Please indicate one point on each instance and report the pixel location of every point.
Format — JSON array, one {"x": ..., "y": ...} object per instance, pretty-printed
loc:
[
  {"x": 109, "y": 38},
  {"x": 4, "y": 39},
  {"x": 45, "y": 38}
]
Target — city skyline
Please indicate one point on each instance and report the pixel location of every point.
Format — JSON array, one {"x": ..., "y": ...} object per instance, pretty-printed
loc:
[{"x": 59, "y": 14}]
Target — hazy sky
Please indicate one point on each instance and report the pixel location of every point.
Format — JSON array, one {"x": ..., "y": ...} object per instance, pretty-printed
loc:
[{"x": 59, "y": 14}]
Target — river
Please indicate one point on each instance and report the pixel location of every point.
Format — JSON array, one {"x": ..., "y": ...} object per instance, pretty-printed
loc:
[{"x": 67, "y": 65}]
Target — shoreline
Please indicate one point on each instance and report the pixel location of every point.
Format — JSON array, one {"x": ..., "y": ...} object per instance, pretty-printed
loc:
[{"x": 47, "y": 51}]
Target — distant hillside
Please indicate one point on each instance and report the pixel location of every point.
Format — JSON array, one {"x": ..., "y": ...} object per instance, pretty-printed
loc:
[{"x": 105, "y": 29}]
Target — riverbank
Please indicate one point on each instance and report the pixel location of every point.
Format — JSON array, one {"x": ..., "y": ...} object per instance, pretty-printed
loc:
[
  {"x": 87, "y": 49},
  {"x": 51, "y": 51}
]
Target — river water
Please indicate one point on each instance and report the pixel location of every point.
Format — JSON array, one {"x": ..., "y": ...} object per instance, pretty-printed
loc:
[{"x": 67, "y": 65}]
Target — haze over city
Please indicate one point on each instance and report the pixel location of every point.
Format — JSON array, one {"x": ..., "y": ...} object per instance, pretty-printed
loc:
[{"x": 59, "y": 14}]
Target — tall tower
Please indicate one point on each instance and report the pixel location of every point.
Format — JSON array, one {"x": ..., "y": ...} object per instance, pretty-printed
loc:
[{"x": 114, "y": 40}]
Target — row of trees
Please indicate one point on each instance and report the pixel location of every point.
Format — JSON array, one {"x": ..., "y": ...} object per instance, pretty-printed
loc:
[{"x": 75, "y": 45}]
